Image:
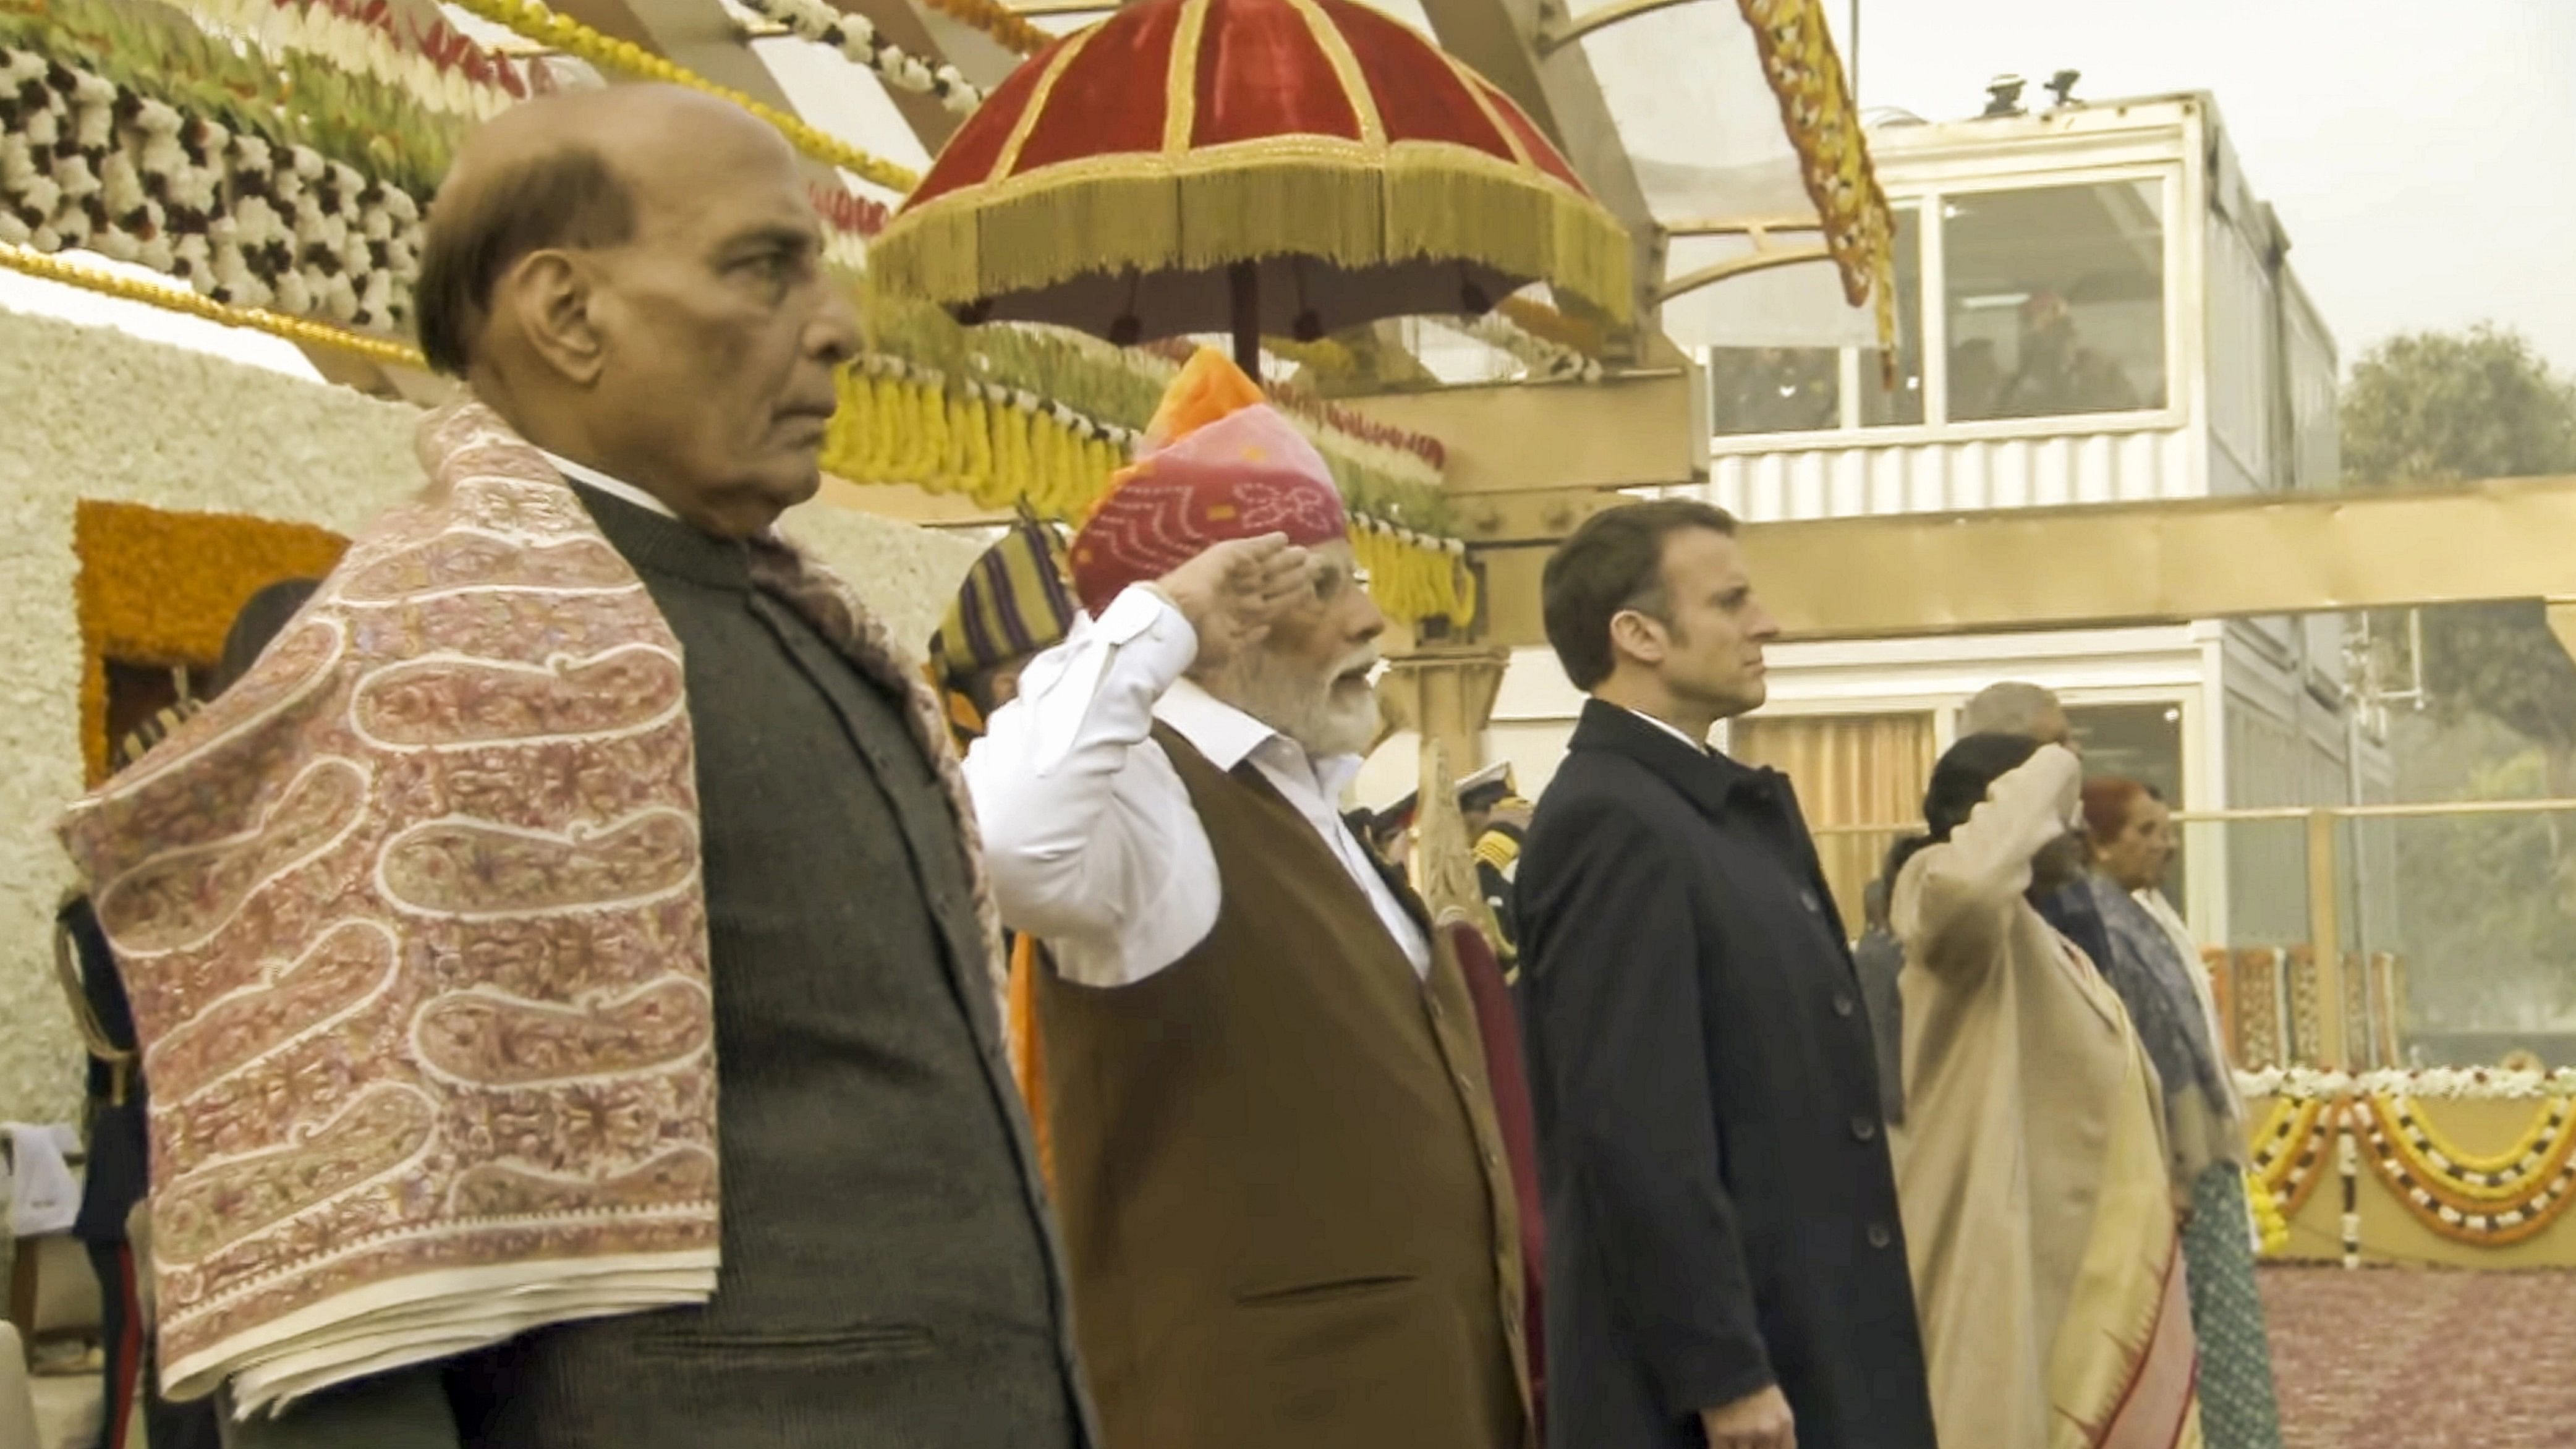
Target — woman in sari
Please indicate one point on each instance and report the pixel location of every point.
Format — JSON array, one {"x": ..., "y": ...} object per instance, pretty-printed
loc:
[
  {"x": 2154, "y": 966},
  {"x": 2047, "y": 1265}
]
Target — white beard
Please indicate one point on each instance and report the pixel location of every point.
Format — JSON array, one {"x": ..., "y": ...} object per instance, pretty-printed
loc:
[{"x": 1322, "y": 718}]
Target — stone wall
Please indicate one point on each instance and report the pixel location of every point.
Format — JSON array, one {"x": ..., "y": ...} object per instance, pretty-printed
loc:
[{"x": 94, "y": 413}]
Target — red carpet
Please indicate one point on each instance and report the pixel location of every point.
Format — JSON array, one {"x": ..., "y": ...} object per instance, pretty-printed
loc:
[{"x": 2420, "y": 1358}]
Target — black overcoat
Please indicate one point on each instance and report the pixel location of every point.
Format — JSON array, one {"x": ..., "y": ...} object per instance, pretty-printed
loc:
[{"x": 1721, "y": 1213}]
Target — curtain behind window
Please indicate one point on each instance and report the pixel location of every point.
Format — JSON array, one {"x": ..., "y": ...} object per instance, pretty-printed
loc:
[{"x": 1850, "y": 770}]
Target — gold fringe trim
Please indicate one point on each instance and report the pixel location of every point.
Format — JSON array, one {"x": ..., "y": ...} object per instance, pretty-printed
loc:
[{"x": 1348, "y": 205}]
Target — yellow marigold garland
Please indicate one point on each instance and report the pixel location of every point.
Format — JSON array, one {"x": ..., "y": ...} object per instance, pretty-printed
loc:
[
  {"x": 2431, "y": 1198},
  {"x": 159, "y": 587},
  {"x": 1003, "y": 25},
  {"x": 2539, "y": 1139},
  {"x": 548, "y": 27},
  {"x": 179, "y": 299},
  {"x": 2290, "y": 1151},
  {"x": 2271, "y": 1225},
  {"x": 2475, "y": 1182},
  {"x": 1412, "y": 577}
]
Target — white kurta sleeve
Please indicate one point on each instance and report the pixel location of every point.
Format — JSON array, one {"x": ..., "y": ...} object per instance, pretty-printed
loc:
[{"x": 1089, "y": 833}]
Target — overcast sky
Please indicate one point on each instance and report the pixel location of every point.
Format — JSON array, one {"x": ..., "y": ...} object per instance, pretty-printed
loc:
[{"x": 2421, "y": 153}]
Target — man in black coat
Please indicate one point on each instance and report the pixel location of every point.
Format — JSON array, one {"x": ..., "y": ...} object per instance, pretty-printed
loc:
[{"x": 1727, "y": 1267}]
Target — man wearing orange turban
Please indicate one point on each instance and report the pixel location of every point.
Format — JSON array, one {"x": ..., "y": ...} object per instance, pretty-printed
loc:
[{"x": 1285, "y": 1196}]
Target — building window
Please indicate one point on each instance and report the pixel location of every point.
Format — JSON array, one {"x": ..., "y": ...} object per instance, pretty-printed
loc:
[
  {"x": 2054, "y": 300},
  {"x": 1882, "y": 405},
  {"x": 1803, "y": 389},
  {"x": 2052, "y": 305},
  {"x": 1774, "y": 389},
  {"x": 2141, "y": 742}
]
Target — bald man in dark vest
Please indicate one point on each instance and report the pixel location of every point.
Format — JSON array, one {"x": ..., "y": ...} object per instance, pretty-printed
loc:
[{"x": 692, "y": 987}]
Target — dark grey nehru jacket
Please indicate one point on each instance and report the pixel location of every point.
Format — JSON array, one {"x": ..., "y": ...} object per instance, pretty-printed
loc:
[{"x": 889, "y": 1273}]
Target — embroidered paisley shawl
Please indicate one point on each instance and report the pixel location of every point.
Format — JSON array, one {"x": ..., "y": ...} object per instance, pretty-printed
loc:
[{"x": 415, "y": 934}]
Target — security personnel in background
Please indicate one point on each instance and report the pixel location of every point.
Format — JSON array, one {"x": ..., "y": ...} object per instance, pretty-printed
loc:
[
  {"x": 1496, "y": 815},
  {"x": 1016, "y": 604}
]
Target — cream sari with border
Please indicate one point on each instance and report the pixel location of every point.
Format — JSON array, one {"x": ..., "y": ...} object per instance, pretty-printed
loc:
[{"x": 2131, "y": 1298}]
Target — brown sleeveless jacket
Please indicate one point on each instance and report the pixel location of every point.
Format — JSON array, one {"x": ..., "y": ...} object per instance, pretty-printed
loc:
[{"x": 1282, "y": 1187}]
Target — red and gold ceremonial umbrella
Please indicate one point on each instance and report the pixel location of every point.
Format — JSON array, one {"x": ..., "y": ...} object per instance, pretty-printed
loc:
[{"x": 1278, "y": 167}]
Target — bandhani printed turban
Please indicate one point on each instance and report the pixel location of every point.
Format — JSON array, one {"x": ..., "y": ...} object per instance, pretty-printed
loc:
[{"x": 1218, "y": 463}]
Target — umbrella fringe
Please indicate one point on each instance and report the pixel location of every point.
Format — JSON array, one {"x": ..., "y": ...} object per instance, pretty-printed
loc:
[
  {"x": 1436, "y": 208},
  {"x": 1408, "y": 205},
  {"x": 1289, "y": 206}
]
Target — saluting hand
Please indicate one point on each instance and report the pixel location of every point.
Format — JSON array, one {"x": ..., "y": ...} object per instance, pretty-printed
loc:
[
  {"x": 1759, "y": 1421},
  {"x": 1232, "y": 592}
]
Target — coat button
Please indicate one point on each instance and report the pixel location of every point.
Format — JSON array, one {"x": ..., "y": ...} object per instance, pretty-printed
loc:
[
  {"x": 1807, "y": 898},
  {"x": 1880, "y": 1236},
  {"x": 1865, "y": 1128},
  {"x": 1843, "y": 1004}
]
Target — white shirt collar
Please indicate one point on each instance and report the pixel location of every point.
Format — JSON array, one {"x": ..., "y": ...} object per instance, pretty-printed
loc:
[
  {"x": 1228, "y": 737},
  {"x": 624, "y": 492},
  {"x": 1671, "y": 729}
]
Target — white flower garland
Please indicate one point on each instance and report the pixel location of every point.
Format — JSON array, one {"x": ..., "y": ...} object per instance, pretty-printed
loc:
[
  {"x": 2436, "y": 1084},
  {"x": 1454, "y": 547},
  {"x": 368, "y": 48},
  {"x": 1543, "y": 358},
  {"x": 84, "y": 164},
  {"x": 855, "y": 37},
  {"x": 1082, "y": 425}
]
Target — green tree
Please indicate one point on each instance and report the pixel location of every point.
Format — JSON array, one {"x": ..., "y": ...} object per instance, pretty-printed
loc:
[
  {"x": 2430, "y": 408},
  {"x": 2488, "y": 904}
]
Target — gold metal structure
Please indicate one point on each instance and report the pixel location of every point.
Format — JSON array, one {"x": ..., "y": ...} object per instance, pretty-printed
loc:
[
  {"x": 1762, "y": 258},
  {"x": 2103, "y": 565},
  {"x": 1557, "y": 29}
]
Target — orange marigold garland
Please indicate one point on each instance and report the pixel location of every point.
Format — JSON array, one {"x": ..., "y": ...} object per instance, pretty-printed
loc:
[{"x": 158, "y": 587}]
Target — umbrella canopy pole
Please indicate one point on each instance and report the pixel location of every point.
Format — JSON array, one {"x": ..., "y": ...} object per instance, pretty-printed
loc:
[{"x": 1245, "y": 279}]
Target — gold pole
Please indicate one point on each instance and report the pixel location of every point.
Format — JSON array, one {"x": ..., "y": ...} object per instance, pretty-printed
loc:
[{"x": 2325, "y": 938}]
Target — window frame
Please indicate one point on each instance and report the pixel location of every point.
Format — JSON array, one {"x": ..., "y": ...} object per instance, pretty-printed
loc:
[{"x": 2180, "y": 292}]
